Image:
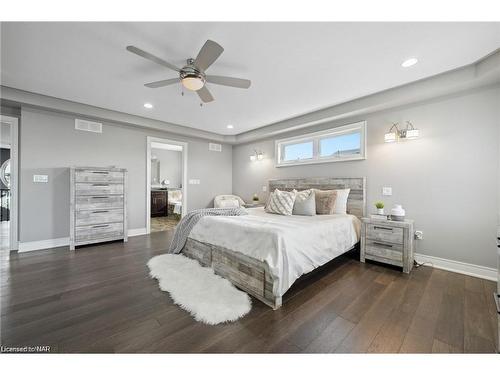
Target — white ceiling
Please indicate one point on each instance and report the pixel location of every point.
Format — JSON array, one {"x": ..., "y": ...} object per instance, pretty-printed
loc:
[{"x": 295, "y": 68}]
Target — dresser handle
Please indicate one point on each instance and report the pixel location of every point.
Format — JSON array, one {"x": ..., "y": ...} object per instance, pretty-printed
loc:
[
  {"x": 383, "y": 228},
  {"x": 382, "y": 244},
  {"x": 99, "y": 211},
  {"x": 100, "y": 172},
  {"x": 100, "y": 184},
  {"x": 100, "y": 226},
  {"x": 99, "y": 197}
]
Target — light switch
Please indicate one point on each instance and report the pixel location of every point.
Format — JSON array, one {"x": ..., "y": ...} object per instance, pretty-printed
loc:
[
  {"x": 387, "y": 190},
  {"x": 264, "y": 188},
  {"x": 194, "y": 181},
  {"x": 41, "y": 178}
]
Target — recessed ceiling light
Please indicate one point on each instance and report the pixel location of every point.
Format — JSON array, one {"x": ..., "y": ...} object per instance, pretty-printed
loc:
[
  {"x": 409, "y": 62},
  {"x": 148, "y": 105},
  {"x": 230, "y": 126}
]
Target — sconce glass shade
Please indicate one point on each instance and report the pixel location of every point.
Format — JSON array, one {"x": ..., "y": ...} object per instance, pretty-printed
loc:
[
  {"x": 390, "y": 137},
  {"x": 412, "y": 133},
  {"x": 253, "y": 157}
]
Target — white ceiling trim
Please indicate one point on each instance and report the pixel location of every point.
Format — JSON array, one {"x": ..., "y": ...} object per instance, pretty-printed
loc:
[{"x": 482, "y": 73}]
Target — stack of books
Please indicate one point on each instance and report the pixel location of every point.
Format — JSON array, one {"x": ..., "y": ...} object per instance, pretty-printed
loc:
[{"x": 379, "y": 217}]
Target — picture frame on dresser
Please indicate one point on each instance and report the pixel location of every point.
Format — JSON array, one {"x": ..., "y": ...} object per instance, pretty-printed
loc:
[{"x": 98, "y": 205}]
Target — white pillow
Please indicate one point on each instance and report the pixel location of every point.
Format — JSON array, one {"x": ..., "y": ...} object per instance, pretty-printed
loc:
[
  {"x": 280, "y": 202},
  {"x": 341, "y": 201},
  {"x": 229, "y": 203}
]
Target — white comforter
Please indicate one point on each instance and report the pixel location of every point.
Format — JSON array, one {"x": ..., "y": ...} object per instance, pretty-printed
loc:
[{"x": 291, "y": 245}]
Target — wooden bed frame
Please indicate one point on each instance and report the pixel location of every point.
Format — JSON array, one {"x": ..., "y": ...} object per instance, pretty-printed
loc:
[{"x": 253, "y": 276}]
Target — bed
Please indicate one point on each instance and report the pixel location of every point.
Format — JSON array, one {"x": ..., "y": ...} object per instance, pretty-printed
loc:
[{"x": 264, "y": 254}]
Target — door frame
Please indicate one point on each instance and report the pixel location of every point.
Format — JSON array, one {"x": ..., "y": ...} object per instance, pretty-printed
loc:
[
  {"x": 14, "y": 180},
  {"x": 184, "y": 151}
]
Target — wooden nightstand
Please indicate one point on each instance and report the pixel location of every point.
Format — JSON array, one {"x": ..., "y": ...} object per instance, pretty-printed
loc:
[{"x": 388, "y": 241}]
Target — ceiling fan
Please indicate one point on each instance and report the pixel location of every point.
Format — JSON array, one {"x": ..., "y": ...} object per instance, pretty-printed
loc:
[{"x": 192, "y": 75}]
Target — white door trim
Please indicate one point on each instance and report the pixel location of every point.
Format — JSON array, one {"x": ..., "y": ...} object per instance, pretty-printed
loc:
[
  {"x": 148, "y": 175},
  {"x": 14, "y": 167}
]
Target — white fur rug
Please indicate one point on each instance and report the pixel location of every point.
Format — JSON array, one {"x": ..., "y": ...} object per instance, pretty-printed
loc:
[{"x": 208, "y": 297}]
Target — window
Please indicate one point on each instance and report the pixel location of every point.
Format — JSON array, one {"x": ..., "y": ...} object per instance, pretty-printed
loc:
[
  {"x": 298, "y": 151},
  {"x": 338, "y": 144}
]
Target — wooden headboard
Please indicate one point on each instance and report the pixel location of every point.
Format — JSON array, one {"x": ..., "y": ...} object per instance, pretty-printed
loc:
[{"x": 356, "y": 202}]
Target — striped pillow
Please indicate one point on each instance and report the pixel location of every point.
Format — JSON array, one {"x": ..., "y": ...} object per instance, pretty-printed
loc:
[{"x": 280, "y": 202}]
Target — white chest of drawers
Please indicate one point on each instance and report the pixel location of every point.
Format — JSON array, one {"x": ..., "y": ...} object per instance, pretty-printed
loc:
[
  {"x": 388, "y": 242},
  {"x": 98, "y": 205}
]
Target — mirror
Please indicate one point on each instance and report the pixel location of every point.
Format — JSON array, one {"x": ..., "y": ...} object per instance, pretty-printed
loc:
[{"x": 5, "y": 173}]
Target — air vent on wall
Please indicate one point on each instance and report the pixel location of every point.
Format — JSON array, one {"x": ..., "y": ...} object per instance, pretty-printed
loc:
[
  {"x": 88, "y": 126},
  {"x": 215, "y": 147}
]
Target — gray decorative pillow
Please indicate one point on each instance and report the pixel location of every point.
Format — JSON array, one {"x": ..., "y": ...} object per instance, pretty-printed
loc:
[
  {"x": 305, "y": 203},
  {"x": 325, "y": 201},
  {"x": 280, "y": 202}
]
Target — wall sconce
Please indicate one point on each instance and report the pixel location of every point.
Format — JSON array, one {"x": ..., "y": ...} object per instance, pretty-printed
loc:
[
  {"x": 257, "y": 155},
  {"x": 395, "y": 133}
]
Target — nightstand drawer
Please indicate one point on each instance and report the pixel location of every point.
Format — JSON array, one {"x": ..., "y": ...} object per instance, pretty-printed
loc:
[
  {"x": 384, "y": 250},
  {"x": 385, "y": 233}
]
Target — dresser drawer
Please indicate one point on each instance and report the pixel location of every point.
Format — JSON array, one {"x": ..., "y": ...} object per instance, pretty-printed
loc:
[
  {"x": 98, "y": 188},
  {"x": 98, "y": 231},
  {"x": 384, "y": 250},
  {"x": 98, "y": 176},
  {"x": 99, "y": 202},
  {"x": 384, "y": 233},
  {"x": 101, "y": 216}
]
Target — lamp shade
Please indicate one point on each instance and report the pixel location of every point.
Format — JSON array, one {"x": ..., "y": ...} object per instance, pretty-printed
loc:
[
  {"x": 390, "y": 137},
  {"x": 412, "y": 133}
]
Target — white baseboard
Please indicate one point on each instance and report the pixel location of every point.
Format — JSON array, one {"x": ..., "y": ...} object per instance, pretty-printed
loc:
[
  {"x": 64, "y": 241},
  {"x": 459, "y": 267},
  {"x": 137, "y": 232},
  {"x": 44, "y": 244}
]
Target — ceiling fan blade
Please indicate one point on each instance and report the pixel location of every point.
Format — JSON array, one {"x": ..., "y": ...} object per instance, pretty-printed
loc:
[
  {"x": 151, "y": 57},
  {"x": 162, "y": 83},
  {"x": 229, "y": 81},
  {"x": 208, "y": 54},
  {"x": 205, "y": 95}
]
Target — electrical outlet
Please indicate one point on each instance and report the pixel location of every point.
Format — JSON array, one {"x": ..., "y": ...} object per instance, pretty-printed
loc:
[
  {"x": 41, "y": 178},
  {"x": 419, "y": 235},
  {"x": 387, "y": 190}
]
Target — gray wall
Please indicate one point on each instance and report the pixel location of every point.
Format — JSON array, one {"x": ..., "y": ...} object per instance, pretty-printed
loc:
[
  {"x": 447, "y": 180},
  {"x": 49, "y": 144},
  {"x": 170, "y": 166}
]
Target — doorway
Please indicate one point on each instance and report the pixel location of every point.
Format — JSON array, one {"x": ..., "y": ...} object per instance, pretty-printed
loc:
[
  {"x": 8, "y": 183},
  {"x": 166, "y": 180}
]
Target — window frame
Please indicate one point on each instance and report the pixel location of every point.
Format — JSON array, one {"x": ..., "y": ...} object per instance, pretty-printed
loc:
[{"x": 316, "y": 138}]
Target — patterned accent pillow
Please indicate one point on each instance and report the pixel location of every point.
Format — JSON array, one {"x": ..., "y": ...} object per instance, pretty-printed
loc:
[
  {"x": 325, "y": 201},
  {"x": 280, "y": 202}
]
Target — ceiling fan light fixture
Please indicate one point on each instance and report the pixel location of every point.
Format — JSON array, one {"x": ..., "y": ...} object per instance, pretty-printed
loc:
[{"x": 193, "y": 83}]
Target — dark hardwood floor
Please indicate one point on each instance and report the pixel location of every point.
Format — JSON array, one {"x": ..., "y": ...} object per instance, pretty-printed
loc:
[{"x": 100, "y": 299}]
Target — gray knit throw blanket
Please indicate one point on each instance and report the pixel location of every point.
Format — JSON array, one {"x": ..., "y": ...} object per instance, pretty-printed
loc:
[{"x": 188, "y": 222}]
